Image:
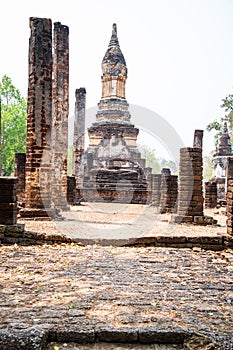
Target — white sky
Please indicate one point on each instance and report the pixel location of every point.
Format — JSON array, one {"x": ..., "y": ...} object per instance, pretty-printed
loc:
[{"x": 179, "y": 53}]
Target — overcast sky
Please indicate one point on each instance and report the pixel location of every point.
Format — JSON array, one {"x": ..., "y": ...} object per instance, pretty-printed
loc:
[{"x": 179, "y": 53}]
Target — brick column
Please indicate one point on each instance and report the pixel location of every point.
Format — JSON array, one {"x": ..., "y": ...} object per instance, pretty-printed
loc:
[
  {"x": 169, "y": 191},
  {"x": 229, "y": 208},
  {"x": 20, "y": 164},
  {"x": 190, "y": 197},
  {"x": 79, "y": 132},
  {"x": 60, "y": 114},
  {"x": 39, "y": 114},
  {"x": 155, "y": 189},
  {"x": 8, "y": 200},
  {"x": 71, "y": 190},
  {"x": 210, "y": 194}
]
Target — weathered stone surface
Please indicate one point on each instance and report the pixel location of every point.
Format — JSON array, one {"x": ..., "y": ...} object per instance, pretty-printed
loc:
[
  {"x": 32, "y": 339},
  {"x": 79, "y": 137},
  {"x": 8, "y": 204},
  {"x": 71, "y": 190},
  {"x": 210, "y": 194},
  {"x": 199, "y": 342},
  {"x": 190, "y": 197},
  {"x": 60, "y": 112},
  {"x": 20, "y": 164},
  {"x": 169, "y": 191},
  {"x": 78, "y": 336},
  {"x": 39, "y": 118},
  {"x": 117, "y": 335},
  {"x": 155, "y": 335}
]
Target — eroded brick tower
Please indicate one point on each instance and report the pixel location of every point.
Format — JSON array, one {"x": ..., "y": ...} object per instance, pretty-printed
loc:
[{"x": 112, "y": 165}]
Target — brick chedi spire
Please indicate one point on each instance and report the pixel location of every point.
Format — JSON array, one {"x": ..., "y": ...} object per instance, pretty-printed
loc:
[
  {"x": 224, "y": 146},
  {"x": 114, "y": 75},
  {"x": 113, "y": 64}
]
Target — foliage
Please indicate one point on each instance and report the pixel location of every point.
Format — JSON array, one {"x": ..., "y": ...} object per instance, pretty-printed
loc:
[
  {"x": 216, "y": 125},
  {"x": 150, "y": 156},
  {"x": 154, "y": 162},
  {"x": 207, "y": 167},
  {"x": 13, "y": 115}
]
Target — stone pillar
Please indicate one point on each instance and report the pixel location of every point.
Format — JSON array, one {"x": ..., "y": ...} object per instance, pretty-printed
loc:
[
  {"x": 169, "y": 191},
  {"x": 155, "y": 189},
  {"x": 20, "y": 164},
  {"x": 71, "y": 190},
  {"x": 190, "y": 197},
  {"x": 8, "y": 200},
  {"x": 60, "y": 113},
  {"x": 39, "y": 115},
  {"x": 198, "y": 137},
  {"x": 229, "y": 209},
  {"x": 79, "y": 131},
  {"x": 210, "y": 194}
]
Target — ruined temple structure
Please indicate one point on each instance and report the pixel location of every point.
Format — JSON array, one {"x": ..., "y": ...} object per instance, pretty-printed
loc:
[
  {"x": 79, "y": 138},
  {"x": 112, "y": 168},
  {"x": 60, "y": 113},
  {"x": 190, "y": 208},
  {"x": 20, "y": 163},
  {"x": 39, "y": 115},
  {"x": 47, "y": 119},
  {"x": 168, "y": 191},
  {"x": 223, "y": 150}
]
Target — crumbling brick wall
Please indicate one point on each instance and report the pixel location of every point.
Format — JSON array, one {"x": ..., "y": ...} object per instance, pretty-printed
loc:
[
  {"x": 8, "y": 200},
  {"x": 210, "y": 194},
  {"x": 20, "y": 164}
]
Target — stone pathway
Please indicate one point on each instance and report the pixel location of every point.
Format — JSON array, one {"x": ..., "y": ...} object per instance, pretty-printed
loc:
[{"x": 70, "y": 288}]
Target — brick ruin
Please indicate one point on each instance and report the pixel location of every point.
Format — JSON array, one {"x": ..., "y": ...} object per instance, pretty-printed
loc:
[
  {"x": 190, "y": 207},
  {"x": 8, "y": 200},
  {"x": 60, "y": 113},
  {"x": 39, "y": 117},
  {"x": 168, "y": 192},
  {"x": 210, "y": 194},
  {"x": 112, "y": 168},
  {"x": 20, "y": 168},
  {"x": 155, "y": 189},
  {"x": 190, "y": 197},
  {"x": 79, "y": 137},
  {"x": 71, "y": 190},
  {"x": 47, "y": 118}
]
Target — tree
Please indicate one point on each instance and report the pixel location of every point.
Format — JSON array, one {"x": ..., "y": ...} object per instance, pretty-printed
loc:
[
  {"x": 13, "y": 122},
  {"x": 150, "y": 156},
  {"x": 154, "y": 162},
  {"x": 216, "y": 125}
]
